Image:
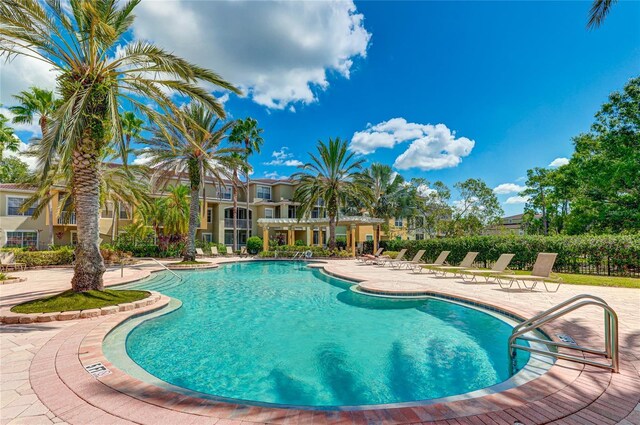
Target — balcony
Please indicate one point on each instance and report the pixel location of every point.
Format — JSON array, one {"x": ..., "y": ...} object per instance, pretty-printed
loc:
[
  {"x": 66, "y": 217},
  {"x": 241, "y": 223}
]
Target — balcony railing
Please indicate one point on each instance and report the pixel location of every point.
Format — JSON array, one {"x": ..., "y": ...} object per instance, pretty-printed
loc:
[
  {"x": 67, "y": 218},
  {"x": 241, "y": 223}
]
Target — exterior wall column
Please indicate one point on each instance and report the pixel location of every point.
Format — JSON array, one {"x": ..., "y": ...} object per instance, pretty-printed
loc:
[
  {"x": 290, "y": 236},
  {"x": 265, "y": 238},
  {"x": 376, "y": 232},
  {"x": 353, "y": 240},
  {"x": 320, "y": 239},
  {"x": 309, "y": 230}
]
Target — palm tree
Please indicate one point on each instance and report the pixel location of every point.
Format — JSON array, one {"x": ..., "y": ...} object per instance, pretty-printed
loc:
[
  {"x": 78, "y": 41},
  {"x": 235, "y": 162},
  {"x": 131, "y": 129},
  {"x": 8, "y": 141},
  {"x": 41, "y": 103},
  {"x": 177, "y": 206},
  {"x": 191, "y": 149},
  {"x": 333, "y": 176},
  {"x": 248, "y": 133},
  {"x": 389, "y": 193},
  {"x": 599, "y": 10}
]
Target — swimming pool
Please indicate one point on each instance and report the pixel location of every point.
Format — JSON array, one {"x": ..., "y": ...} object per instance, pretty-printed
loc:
[{"x": 276, "y": 332}]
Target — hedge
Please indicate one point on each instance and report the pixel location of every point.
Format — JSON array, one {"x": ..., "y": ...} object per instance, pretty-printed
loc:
[
  {"x": 288, "y": 251},
  {"x": 614, "y": 255},
  {"x": 43, "y": 258}
]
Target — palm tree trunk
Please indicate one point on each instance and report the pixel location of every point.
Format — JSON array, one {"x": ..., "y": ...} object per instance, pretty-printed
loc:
[
  {"x": 89, "y": 266},
  {"x": 249, "y": 222},
  {"x": 332, "y": 232},
  {"x": 194, "y": 222},
  {"x": 114, "y": 222},
  {"x": 50, "y": 211},
  {"x": 235, "y": 210}
]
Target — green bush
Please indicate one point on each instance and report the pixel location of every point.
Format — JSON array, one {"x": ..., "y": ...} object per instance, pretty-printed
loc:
[
  {"x": 587, "y": 254},
  {"x": 288, "y": 251},
  {"x": 300, "y": 242},
  {"x": 254, "y": 244},
  {"x": 58, "y": 257}
]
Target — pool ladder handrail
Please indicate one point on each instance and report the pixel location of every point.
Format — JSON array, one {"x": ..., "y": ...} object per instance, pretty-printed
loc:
[
  {"x": 154, "y": 260},
  {"x": 610, "y": 333}
]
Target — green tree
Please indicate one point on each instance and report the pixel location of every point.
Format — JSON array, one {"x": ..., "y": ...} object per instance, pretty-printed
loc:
[
  {"x": 8, "y": 140},
  {"x": 79, "y": 44},
  {"x": 476, "y": 208},
  {"x": 391, "y": 196},
  {"x": 12, "y": 170},
  {"x": 193, "y": 150},
  {"x": 35, "y": 103},
  {"x": 599, "y": 10},
  {"x": 247, "y": 133},
  {"x": 334, "y": 176},
  {"x": 432, "y": 212},
  {"x": 132, "y": 127}
]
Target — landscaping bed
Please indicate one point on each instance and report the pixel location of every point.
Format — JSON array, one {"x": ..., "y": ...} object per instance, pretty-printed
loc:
[{"x": 72, "y": 301}]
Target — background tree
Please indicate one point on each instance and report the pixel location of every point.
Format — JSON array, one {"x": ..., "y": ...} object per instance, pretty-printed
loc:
[
  {"x": 190, "y": 149},
  {"x": 78, "y": 44},
  {"x": 334, "y": 176},
  {"x": 390, "y": 195},
  {"x": 132, "y": 127},
  {"x": 12, "y": 170},
  {"x": 247, "y": 133},
  {"x": 235, "y": 162},
  {"x": 8, "y": 140},
  {"x": 476, "y": 208},
  {"x": 432, "y": 212}
]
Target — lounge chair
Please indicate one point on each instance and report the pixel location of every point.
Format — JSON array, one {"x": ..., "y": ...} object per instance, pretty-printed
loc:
[
  {"x": 441, "y": 260},
  {"x": 243, "y": 251},
  {"x": 411, "y": 263},
  {"x": 8, "y": 262},
  {"x": 466, "y": 263},
  {"x": 366, "y": 257},
  {"x": 229, "y": 251},
  {"x": 499, "y": 267},
  {"x": 542, "y": 272},
  {"x": 214, "y": 251},
  {"x": 392, "y": 261},
  {"x": 199, "y": 252}
]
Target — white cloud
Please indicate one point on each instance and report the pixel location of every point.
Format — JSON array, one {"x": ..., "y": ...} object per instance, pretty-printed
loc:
[
  {"x": 558, "y": 162},
  {"x": 21, "y": 73},
  {"x": 433, "y": 147},
  {"x": 274, "y": 175},
  {"x": 279, "y": 53},
  {"x": 424, "y": 190},
  {"x": 21, "y": 155},
  {"x": 517, "y": 200},
  {"x": 282, "y": 157},
  {"x": 506, "y": 188}
]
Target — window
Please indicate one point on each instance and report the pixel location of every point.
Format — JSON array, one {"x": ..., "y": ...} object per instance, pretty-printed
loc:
[
  {"x": 398, "y": 222},
  {"x": 74, "y": 238},
  {"x": 228, "y": 237},
  {"x": 292, "y": 211},
  {"x": 22, "y": 239},
  {"x": 225, "y": 192},
  {"x": 207, "y": 237},
  {"x": 368, "y": 238},
  {"x": 419, "y": 236},
  {"x": 317, "y": 213},
  {"x": 107, "y": 211},
  {"x": 263, "y": 192},
  {"x": 124, "y": 212},
  {"x": 14, "y": 203},
  {"x": 268, "y": 213},
  {"x": 209, "y": 215}
]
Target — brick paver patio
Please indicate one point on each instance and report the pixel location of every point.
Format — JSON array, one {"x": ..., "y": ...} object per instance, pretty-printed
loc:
[{"x": 43, "y": 380}]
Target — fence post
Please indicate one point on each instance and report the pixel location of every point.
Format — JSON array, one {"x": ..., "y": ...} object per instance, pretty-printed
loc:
[{"x": 608, "y": 266}]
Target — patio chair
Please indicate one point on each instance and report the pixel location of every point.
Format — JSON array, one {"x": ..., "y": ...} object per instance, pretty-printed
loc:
[
  {"x": 426, "y": 266},
  {"x": 542, "y": 272},
  {"x": 8, "y": 262},
  {"x": 214, "y": 251},
  {"x": 466, "y": 263},
  {"x": 243, "y": 251},
  {"x": 392, "y": 261},
  {"x": 364, "y": 257},
  {"x": 499, "y": 267},
  {"x": 229, "y": 251},
  {"x": 199, "y": 252},
  {"x": 410, "y": 263}
]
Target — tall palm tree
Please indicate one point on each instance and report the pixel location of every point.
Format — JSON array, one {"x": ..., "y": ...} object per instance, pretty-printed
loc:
[
  {"x": 191, "y": 149},
  {"x": 333, "y": 176},
  {"x": 248, "y": 133},
  {"x": 598, "y": 12},
  {"x": 40, "y": 103},
  {"x": 235, "y": 162},
  {"x": 131, "y": 129},
  {"x": 8, "y": 141},
  {"x": 78, "y": 41},
  {"x": 390, "y": 193}
]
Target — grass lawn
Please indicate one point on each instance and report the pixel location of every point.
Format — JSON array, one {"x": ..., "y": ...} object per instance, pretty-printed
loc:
[
  {"x": 70, "y": 301},
  {"x": 593, "y": 280}
]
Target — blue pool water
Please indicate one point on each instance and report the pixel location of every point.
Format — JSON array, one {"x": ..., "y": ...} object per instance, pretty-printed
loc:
[{"x": 275, "y": 332}]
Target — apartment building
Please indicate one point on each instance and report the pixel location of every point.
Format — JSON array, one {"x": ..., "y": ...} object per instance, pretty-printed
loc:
[{"x": 271, "y": 210}]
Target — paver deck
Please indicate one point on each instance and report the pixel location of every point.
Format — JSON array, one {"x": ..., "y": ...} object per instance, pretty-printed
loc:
[{"x": 43, "y": 380}]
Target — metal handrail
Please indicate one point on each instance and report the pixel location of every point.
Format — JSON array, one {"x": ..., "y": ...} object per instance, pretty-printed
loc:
[
  {"x": 610, "y": 329},
  {"x": 160, "y": 264}
]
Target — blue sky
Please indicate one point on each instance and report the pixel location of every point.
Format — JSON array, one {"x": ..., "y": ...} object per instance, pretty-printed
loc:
[{"x": 514, "y": 80}]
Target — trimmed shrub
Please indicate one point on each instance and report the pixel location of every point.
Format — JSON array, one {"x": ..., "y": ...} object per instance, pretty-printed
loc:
[
  {"x": 58, "y": 257},
  {"x": 288, "y": 251},
  {"x": 254, "y": 244},
  {"x": 615, "y": 255}
]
